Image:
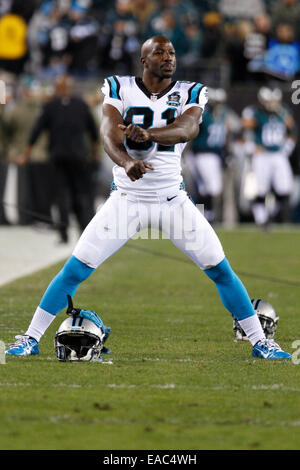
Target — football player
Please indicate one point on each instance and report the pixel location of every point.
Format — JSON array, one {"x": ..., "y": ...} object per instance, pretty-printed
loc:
[
  {"x": 145, "y": 125},
  {"x": 274, "y": 136}
]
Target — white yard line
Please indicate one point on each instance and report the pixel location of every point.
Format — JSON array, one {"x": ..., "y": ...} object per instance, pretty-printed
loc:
[{"x": 24, "y": 250}]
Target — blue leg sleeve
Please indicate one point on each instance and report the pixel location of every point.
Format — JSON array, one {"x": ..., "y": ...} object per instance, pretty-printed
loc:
[
  {"x": 231, "y": 290},
  {"x": 66, "y": 282}
]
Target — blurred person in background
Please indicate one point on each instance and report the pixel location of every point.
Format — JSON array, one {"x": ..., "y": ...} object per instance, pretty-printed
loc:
[
  {"x": 257, "y": 39},
  {"x": 119, "y": 41},
  {"x": 194, "y": 39},
  {"x": 6, "y": 134},
  {"x": 48, "y": 39},
  {"x": 235, "y": 50},
  {"x": 170, "y": 25},
  {"x": 212, "y": 31},
  {"x": 207, "y": 154},
  {"x": 274, "y": 137},
  {"x": 174, "y": 15},
  {"x": 6, "y": 130},
  {"x": 286, "y": 11},
  {"x": 256, "y": 43},
  {"x": 67, "y": 119},
  {"x": 83, "y": 38},
  {"x": 63, "y": 39},
  {"x": 241, "y": 9},
  {"x": 13, "y": 46},
  {"x": 142, "y": 11},
  {"x": 282, "y": 59},
  {"x": 186, "y": 12},
  {"x": 27, "y": 186},
  {"x": 14, "y": 18},
  {"x": 22, "y": 116}
]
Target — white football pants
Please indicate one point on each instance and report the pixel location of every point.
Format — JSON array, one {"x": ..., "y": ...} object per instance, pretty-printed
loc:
[
  {"x": 272, "y": 170},
  {"x": 207, "y": 170},
  {"x": 123, "y": 215}
]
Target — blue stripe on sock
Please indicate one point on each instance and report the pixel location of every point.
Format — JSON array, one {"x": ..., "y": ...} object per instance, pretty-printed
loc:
[
  {"x": 65, "y": 283},
  {"x": 231, "y": 290}
]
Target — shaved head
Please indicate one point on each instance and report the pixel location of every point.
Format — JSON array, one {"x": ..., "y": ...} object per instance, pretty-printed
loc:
[{"x": 151, "y": 42}]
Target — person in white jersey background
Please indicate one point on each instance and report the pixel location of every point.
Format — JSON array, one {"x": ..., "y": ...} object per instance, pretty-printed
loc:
[{"x": 145, "y": 125}]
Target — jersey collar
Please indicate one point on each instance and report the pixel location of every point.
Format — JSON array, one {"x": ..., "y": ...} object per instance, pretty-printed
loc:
[{"x": 142, "y": 87}]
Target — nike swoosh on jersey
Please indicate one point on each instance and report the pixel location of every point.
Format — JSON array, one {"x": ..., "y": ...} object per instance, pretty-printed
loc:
[{"x": 170, "y": 198}]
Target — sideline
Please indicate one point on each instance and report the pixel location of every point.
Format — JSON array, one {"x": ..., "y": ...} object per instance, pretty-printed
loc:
[{"x": 25, "y": 250}]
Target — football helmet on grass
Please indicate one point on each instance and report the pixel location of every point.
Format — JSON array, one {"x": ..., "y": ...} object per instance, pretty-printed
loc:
[{"x": 81, "y": 336}]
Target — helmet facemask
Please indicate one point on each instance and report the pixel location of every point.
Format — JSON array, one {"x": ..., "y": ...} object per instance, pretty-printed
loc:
[
  {"x": 79, "y": 338},
  {"x": 77, "y": 346},
  {"x": 267, "y": 317},
  {"x": 268, "y": 325}
]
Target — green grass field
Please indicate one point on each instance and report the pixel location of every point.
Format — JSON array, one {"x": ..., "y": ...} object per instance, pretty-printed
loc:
[{"x": 175, "y": 379}]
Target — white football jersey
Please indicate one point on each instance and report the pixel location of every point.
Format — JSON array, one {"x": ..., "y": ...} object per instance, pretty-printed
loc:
[{"x": 138, "y": 106}]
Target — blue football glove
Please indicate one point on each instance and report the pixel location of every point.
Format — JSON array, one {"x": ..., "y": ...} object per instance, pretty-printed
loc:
[
  {"x": 107, "y": 330},
  {"x": 94, "y": 317}
]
